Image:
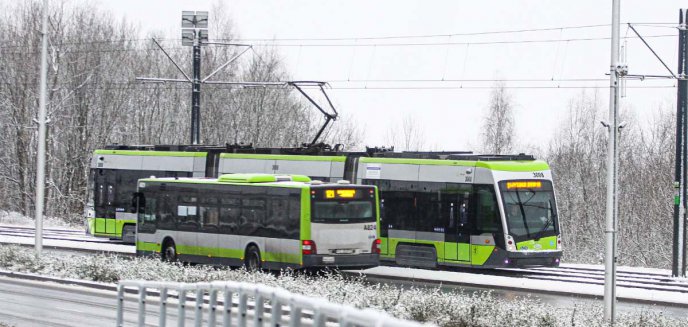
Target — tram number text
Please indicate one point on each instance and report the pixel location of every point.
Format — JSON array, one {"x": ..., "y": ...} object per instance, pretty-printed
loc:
[{"x": 538, "y": 175}]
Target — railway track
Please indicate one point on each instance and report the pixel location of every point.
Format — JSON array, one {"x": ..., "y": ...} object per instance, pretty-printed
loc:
[
  {"x": 591, "y": 276},
  {"x": 576, "y": 274},
  {"x": 53, "y": 234}
]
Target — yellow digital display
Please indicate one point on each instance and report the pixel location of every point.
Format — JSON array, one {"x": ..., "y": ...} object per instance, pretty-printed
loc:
[
  {"x": 346, "y": 193},
  {"x": 523, "y": 184},
  {"x": 329, "y": 194}
]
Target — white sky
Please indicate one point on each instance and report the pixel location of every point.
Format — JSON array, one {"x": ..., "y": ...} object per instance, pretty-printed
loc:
[{"x": 450, "y": 118}]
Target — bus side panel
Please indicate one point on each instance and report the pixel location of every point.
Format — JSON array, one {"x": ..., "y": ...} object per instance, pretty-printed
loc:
[{"x": 305, "y": 214}]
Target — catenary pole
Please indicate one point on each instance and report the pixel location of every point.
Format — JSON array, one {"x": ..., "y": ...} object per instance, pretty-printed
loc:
[
  {"x": 40, "y": 169},
  {"x": 610, "y": 223},
  {"x": 683, "y": 103},
  {"x": 678, "y": 178}
]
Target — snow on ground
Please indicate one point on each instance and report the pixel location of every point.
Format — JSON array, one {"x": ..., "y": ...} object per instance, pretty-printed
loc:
[
  {"x": 10, "y": 218},
  {"x": 78, "y": 245},
  {"x": 503, "y": 282}
]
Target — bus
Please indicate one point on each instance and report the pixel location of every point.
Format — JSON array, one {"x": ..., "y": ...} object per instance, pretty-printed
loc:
[
  {"x": 260, "y": 221},
  {"x": 437, "y": 209}
]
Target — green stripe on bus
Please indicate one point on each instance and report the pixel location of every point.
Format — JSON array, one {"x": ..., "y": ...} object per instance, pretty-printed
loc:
[
  {"x": 222, "y": 252},
  {"x": 305, "y": 214},
  {"x": 152, "y": 153},
  {"x": 282, "y": 157}
]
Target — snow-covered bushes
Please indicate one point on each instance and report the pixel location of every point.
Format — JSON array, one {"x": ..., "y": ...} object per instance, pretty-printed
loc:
[{"x": 444, "y": 307}]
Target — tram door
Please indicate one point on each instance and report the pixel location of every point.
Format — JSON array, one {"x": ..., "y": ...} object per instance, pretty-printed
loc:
[{"x": 455, "y": 206}]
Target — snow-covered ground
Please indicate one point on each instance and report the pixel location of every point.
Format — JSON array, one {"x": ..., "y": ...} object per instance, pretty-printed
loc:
[
  {"x": 572, "y": 286},
  {"x": 9, "y": 218}
]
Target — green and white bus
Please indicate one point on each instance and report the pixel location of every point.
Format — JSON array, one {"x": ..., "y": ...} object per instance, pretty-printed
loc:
[{"x": 258, "y": 220}]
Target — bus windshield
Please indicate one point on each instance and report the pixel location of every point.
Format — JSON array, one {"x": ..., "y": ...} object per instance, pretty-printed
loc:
[
  {"x": 343, "y": 205},
  {"x": 344, "y": 211},
  {"x": 530, "y": 209}
]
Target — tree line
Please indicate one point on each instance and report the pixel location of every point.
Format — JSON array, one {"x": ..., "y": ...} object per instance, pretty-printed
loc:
[
  {"x": 94, "y": 100},
  {"x": 577, "y": 156}
]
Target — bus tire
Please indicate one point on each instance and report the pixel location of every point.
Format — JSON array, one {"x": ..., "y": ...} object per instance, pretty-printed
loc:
[
  {"x": 169, "y": 251},
  {"x": 129, "y": 234},
  {"x": 252, "y": 258}
]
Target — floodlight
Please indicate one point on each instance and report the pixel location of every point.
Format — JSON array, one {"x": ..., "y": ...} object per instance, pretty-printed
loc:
[
  {"x": 188, "y": 19},
  {"x": 188, "y": 35},
  {"x": 201, "y": 19}
]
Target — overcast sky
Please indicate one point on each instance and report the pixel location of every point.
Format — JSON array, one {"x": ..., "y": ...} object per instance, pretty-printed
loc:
[{"x": 377, "y": 81}]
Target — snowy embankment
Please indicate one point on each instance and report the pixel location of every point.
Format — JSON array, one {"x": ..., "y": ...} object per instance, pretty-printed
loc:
[{"x": 444, "y": 307}]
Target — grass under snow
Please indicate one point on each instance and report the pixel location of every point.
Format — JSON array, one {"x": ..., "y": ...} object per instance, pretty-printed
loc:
[{"x": 442, "y": 307}]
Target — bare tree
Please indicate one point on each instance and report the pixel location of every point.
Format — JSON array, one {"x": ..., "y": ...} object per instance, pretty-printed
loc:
[
  {"x": 406, "y": 135},
  {"x": 498, "y": 125}
]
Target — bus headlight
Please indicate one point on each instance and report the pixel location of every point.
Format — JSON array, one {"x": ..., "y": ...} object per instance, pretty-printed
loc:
[
  {"x": 510, "y": 244},
  {"x": 558, "y": 242}
]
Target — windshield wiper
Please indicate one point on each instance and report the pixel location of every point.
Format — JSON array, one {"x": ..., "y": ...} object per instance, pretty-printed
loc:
[{"x": 549, "y": 222}]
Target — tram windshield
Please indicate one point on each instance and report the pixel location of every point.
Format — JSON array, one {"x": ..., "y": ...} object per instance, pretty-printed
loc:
[{"x": 530, "y": 209}]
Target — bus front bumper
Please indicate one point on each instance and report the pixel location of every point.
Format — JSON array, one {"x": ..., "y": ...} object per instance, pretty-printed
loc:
[{"x": 342, "y": 261}]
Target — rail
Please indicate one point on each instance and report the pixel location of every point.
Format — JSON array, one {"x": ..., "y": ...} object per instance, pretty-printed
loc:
[{"x": 268, "y": 303}]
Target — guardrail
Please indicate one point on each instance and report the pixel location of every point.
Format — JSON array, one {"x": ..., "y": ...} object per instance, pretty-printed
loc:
[{"x": 267, "y": 303}]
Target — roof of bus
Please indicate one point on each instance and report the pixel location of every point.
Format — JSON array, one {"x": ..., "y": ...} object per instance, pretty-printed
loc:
[{"x": 503, "y": 165}]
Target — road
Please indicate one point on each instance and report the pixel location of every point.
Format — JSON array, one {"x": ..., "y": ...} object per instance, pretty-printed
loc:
[{"x": 33, "y": 303}]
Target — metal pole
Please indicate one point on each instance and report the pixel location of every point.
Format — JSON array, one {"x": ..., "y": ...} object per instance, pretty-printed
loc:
[
  {"x": 196, "y": 90},
  {"x": 683, "y": 101},
  {"x": 678, "y": 163},
  {"x": 40, "y": 169},
  {"x": 610, "y": 229}
]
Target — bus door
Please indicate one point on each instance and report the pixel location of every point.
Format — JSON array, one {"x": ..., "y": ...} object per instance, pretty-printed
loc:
[{"x": 455, "y": 206}]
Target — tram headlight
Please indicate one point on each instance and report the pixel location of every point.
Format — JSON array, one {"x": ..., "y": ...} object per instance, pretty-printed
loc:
[{"x": 510, "y": 244}]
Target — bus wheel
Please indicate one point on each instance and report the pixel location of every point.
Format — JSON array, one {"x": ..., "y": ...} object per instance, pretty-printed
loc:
[
  {"x": 252, "y": 258},
  {"x": 129, "y": 234},
  {"x": 169, "y": 252}
]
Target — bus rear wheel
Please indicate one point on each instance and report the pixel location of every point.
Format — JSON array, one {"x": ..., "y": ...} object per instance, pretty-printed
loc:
[
  {"x": 169, "y": 252},
  {"x": 252, "y": 259}
]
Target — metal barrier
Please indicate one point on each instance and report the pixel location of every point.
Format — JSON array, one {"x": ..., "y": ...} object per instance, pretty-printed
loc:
[{"x": 319, "y": 311}]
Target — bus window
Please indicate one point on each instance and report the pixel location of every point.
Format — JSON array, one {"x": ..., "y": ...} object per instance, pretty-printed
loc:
[
  {"x": 230, "y": 212},
  {"x": 293, "y": 222},
  {"x": 148, "y": 212},
  {"x": 210, "y": 213},
  {"x": 187, "y": 212}
]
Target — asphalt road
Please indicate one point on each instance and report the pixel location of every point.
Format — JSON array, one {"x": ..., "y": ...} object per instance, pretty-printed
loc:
[{"x": 31, "y": 303}]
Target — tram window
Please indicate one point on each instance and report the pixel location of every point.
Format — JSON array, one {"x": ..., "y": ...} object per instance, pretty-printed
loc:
[
  {"x": 400, "y": 210},
  {"x": 110, "y": 195},
  {"x": 428, "y": 212},
  {"x": 101, "y": 195},
  {"x": 486, "y": 213}
]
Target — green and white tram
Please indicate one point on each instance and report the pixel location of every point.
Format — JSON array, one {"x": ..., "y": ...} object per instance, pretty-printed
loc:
[
  {"x": 258, "y": 220},
  {"x": 437, "y": 208}
]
